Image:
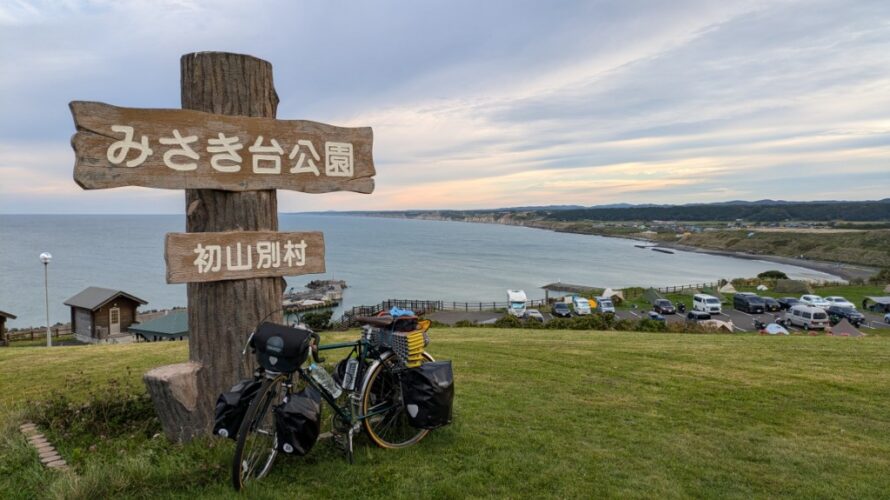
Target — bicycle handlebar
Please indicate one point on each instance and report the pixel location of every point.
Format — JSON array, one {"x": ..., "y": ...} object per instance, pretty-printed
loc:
[{"x": 314, "y": 348}]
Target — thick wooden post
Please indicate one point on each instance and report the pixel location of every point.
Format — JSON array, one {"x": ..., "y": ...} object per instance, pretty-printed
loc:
[{"x": 220, "y": 314}]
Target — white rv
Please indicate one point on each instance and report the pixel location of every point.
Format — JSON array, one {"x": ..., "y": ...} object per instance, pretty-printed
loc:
[
  {"x": 516, "y": 300},
  {"x": 582, "y": 305}
]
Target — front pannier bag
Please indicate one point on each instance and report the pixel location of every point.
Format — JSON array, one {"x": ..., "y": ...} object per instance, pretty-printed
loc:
[
  {"x": 298, "y": 422},
  {"x": 428, "y": 392},
  {"x": 231, "y": 407}
]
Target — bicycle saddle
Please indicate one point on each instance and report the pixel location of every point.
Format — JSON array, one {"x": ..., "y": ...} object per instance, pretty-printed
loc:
[{"x": 375, "y": 320}]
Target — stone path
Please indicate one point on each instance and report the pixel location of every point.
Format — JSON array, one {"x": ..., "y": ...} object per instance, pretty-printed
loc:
[{"x": 48, "y": 454}]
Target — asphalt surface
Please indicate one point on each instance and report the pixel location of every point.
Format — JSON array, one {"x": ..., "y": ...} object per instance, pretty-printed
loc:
[{"x": 741, "y": 321}]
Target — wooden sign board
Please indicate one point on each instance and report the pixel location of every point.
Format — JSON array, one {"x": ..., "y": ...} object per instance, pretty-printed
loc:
[
  {"x": 184, "y": 149},
  {"x": 201, "y": 257}
]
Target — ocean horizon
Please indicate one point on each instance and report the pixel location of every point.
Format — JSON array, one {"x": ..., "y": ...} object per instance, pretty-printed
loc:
[{"x": 379, "y": 258}]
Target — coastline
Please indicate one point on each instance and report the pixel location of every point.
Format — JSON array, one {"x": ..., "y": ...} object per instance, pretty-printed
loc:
[{"x": 844, "y": 271}]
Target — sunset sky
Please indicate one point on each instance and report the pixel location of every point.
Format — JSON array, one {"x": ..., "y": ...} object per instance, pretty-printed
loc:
[{"x": 483, "y": 104}]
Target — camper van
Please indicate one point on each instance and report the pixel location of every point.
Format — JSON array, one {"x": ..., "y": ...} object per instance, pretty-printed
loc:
[
  {"x": 516, "y": 300},
  {"x": 706, "y": 303},
  {"x": 582, "y": 305},
  {"x": 808, "y": 317},
  {"x": 604, "y": 305}
]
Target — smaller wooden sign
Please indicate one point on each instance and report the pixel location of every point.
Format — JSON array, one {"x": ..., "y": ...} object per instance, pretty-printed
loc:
[{"x": 201, "y": 257}]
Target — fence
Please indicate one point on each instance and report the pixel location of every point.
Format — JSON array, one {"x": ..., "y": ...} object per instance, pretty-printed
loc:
[
  {"x": 34, "y": 334},
  {"x": 425, "y": 307},
  {"x": 632, "y": 293}
]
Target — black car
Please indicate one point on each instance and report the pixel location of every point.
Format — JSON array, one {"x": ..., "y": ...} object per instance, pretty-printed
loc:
[
  {"x": 771, "y": 304},
  {"x": 837, "y": 313},
  {"x": 787, "y": 303},
  {"x": 749, "y": 303},
  {"x": 664, "y": 306},
  {"x": 697, "y": 316},
  {"x": 561, "y": 310}
]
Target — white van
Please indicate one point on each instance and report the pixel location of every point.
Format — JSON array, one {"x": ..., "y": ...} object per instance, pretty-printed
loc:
[
  {"x": 706, "y": 303},
  {"x": 582, "y": 305},
  {"x": 807, "y": 317},
  {"x": 517, "y": 300}
]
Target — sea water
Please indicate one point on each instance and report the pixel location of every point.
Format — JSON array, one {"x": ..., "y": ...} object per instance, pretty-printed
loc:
[{"x": 379, "y": 258}]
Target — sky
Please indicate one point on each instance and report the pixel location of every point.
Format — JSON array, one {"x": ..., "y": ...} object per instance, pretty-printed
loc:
[{"x": 483, "y": 104}]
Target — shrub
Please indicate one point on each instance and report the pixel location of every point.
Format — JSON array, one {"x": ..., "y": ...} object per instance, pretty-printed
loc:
[
  {"x": 508, "y": 321},
  {"x": 533, "y": 324},
  {"x": 625, "y": 325},
  {"x": 318, "y": 320},
  {"x": 882, "y": 278},
  {"x": 651, "y": 325},
  {"x": 773, "y": 275},
  {"x": 465, "y": 323},
  {"x": 559, "y": 324}
]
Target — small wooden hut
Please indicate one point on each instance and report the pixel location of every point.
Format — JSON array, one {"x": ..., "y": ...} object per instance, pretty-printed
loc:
[
  {"x": 101, "y": 315},
  {"x": 3, "y": 317}
]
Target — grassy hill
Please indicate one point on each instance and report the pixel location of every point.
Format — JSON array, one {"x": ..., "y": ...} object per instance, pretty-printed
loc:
[{"x": 537, "y": 414}]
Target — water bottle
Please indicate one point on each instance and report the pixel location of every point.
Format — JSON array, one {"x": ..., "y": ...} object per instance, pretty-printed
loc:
[{"x": 324, "y": 379}]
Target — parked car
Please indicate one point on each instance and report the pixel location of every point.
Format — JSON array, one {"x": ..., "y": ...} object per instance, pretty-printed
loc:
[
  {"x": 697, "y": 316},
  {"x": 561, "y": 310},
  {"x": 814, "y": 301},
  {"x": 807, "y": 317},
  {"x": 655, "y": 316},
  {"x": 771, "y": 304},
  {"x": 887, "y": 318},
  {"x": 748, "y": 302},
  {"x": 836, "y": 313},
  {"x": 604, "y": 305},
  {"x": 534, "y": 314},
  {"x": 664, "y": 306},
  {"x": 788, "y": 302},
  {"x": 706, "y": 303},
  {"x": 836, "y": 300}
]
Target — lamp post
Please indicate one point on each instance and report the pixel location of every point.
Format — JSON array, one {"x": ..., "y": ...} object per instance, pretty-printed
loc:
[{"x": 46, "y": 257}]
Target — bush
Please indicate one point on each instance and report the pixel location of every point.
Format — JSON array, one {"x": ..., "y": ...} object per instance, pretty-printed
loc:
[
  {"x": 882, "y": 278},
  {"x": 651, "y": 325},
  {"x": 773, "y": 275},
  {"x": 318, "y": 320},
  {"x": 508, "y": 321},
  {"x": 465, "y": 323}
]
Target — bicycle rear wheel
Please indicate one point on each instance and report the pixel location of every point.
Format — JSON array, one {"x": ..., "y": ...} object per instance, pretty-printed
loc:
[
  {"x": 388, "y": 424},
  {"x": 256, "y": 447}
]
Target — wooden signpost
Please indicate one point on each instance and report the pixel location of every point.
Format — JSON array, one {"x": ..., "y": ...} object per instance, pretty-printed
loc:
[{"x": 229, "y": 153}]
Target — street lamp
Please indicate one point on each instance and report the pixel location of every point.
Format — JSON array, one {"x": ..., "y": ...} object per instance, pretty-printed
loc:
[{"x": 46, "y": 257}]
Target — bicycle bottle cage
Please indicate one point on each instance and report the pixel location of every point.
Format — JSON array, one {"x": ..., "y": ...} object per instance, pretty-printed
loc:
[{"x": 281, "y": 348}]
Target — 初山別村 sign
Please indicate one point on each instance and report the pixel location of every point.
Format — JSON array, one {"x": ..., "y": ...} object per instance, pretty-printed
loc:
[
  {"x": 184, "y": 149},
  {"x": 201, "y": 257}
]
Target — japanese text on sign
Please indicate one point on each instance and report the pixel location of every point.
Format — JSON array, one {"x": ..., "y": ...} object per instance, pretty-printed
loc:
[{"x": 267, "y": 156}]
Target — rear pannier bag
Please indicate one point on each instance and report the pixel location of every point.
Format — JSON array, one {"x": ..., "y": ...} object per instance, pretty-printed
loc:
[
  {"x": 428, "y": 393},
  {"x": 298, "y": 422},
  {"x": 281, "y": 348},
  {"x": 231, "y": 407}
]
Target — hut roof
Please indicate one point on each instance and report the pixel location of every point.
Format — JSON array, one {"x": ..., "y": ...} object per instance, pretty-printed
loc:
[
  {"x": 7, "y": 315},
  {"x": 94, "y": 297},
  {"x": 174, "y": 324}
]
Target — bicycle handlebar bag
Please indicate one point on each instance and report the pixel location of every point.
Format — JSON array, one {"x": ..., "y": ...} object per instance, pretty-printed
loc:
[
  {"x": 428, "y": 393},
  {"x": 298, "y": 422},
  {"x": 281, "y": 348},
  {"x": 231, "y": 407}
]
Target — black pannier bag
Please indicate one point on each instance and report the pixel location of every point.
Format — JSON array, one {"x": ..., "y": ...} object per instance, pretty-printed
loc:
[
  {"x": 281, "y": 348},
  {"x": 298, "y": 422},
  {"x": 428, "y": 393},
  {"x": 231, "y": 407}
]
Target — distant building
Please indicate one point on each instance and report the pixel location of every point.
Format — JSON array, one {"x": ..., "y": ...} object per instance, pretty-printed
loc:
[
  {"x": 171, "y": 326},
  {"x": 3, "y": 317},
  {"x": 102, "y": 315}
]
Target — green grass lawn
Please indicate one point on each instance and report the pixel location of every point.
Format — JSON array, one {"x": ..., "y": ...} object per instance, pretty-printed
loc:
[{"x": 537, "y": 414}]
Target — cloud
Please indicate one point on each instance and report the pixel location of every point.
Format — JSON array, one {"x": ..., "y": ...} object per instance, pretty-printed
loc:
[{"x": 487, "y": 104}]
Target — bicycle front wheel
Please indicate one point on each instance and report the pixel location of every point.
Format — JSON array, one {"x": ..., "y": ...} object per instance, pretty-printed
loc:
[
  {"x": 256, "y": 447},
  {"x": 386, "y": 420}
]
